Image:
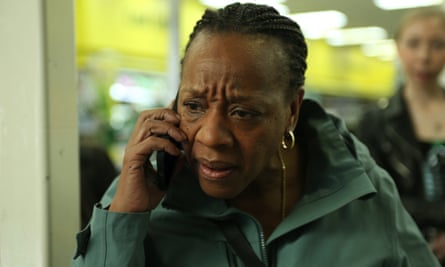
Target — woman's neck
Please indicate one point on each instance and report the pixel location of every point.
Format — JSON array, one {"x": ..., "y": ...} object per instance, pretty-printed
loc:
[
  {"x": 423, "y": 94},
  {"x": 427, "y": 112},
  {"x": 263, "y": 198}
]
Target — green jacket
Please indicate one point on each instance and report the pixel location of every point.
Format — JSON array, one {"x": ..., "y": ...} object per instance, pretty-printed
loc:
[{"x": 350, "y": 215}]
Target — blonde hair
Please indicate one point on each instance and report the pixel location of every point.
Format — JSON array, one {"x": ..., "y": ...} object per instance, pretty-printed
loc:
[{"x": 418, "y": 14}]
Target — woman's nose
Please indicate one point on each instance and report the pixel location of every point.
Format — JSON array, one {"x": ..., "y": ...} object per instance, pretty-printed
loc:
[
  {"x": 214, "y": 130},
  {"x": 424, "y": 53}
]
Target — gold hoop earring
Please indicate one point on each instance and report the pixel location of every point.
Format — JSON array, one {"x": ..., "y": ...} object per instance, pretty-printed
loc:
[{"x": 288, "y": 137}]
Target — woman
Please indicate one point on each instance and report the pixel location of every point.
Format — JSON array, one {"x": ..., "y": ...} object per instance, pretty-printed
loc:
[
  {"x": 265, "y": 178},
  {"x": 406, "y": 136}
]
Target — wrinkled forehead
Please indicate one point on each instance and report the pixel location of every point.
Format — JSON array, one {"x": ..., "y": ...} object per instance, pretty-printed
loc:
[
  {"x": 254, "y": 43},
  {"x": 237, "y": 53}
]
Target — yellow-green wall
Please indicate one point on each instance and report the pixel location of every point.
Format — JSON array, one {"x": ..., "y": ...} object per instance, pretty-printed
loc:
[{"x": 135, "y": 34}]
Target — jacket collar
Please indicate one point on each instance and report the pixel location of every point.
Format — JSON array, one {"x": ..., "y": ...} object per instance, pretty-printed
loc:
[
  {"x": 396, "y": 106},
  {"x": 334, "y": 176}
]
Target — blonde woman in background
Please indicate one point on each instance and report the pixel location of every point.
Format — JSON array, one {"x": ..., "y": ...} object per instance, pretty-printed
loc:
[{"x": 406, "y": 136}]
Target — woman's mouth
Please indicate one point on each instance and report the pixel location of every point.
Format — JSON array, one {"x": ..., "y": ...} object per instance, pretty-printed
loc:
[
  {"x": 215, "y": 171},
  {"x": 424, "y": 76}
]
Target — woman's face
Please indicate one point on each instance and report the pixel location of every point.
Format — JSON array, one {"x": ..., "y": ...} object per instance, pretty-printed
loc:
[
  {"x": 233, "y": 109},
  {"x": 421, "y": 48}
]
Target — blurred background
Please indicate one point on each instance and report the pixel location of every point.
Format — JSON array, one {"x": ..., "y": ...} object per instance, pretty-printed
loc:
[{"x": 128, "y": 54}]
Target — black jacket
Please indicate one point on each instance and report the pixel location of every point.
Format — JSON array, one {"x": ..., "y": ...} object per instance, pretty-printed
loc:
[{"x": 389, "y": 134}]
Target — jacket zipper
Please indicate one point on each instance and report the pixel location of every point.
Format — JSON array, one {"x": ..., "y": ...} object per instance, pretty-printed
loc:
[{"x": 263, "y": 248}]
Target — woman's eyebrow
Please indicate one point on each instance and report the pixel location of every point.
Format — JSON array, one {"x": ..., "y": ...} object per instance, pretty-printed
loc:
[
  {"x": 193, "y": 91},
  {"x": 235, "y": 96}
]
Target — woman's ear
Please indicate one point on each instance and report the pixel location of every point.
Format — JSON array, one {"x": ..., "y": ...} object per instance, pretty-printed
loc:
[{"x": 295, "y": 106}]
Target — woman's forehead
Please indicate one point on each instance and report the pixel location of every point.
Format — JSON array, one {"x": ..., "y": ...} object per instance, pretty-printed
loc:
[
  {"x": 423, "y": 23},
  {"x": 225, "y": 43},
  {"x": 234, "y": 54}
]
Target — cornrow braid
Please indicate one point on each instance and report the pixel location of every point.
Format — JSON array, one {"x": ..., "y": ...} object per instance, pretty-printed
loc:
[{"x": 262, "y": 20}]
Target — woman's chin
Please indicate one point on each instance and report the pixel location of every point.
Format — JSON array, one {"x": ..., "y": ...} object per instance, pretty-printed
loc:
[{"x": 218, "y": 191}]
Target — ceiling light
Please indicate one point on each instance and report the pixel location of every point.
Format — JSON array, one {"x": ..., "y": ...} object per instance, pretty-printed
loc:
[
  {"x": 354, "y": 36},
  {"x": 401, "y": 4},
  {"x": 277, "y": 4},
  {"x": 316, "y": 24},
  {"x": 383, "y": 49}
]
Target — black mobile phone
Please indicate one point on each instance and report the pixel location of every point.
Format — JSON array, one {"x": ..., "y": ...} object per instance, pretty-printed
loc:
[{"x": 165, "y": 163}]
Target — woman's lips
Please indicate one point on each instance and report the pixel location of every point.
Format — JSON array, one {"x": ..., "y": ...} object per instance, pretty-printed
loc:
[
  {"x": 214, "y": 170},
  {"x": 424, "y": 76}
]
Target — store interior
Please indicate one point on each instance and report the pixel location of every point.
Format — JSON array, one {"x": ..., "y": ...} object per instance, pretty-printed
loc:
[{"x": 128, "y": 55}]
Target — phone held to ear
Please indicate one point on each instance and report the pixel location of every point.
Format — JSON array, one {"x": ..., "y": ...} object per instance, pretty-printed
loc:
[{"x": 166, "y": 163}]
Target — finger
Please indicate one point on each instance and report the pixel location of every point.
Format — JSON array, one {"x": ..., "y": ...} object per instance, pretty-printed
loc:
[
  {"x": 167, "y": 115},
  {"x": 137, "y": 161},
  {"x": 152, "y": 122},
  {"x": 158, "y": 143},
  {"x": 137, "y": 154},
  {"x": 156, "y": 114},
  {"x": 157, "y": 128}
]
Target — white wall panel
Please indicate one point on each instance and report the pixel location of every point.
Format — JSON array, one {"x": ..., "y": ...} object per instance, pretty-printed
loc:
[{"x": 38, "y": 134}]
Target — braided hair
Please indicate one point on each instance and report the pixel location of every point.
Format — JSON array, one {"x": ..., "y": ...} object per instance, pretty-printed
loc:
[{"x": 259, "y": 20}]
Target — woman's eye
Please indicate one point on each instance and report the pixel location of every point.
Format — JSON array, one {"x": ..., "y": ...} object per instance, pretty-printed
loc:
[
  {"x": 438, "y": 44},
  {"x": 193, "y": 106},
  {"x": 412, "y": 43},
  {"x": 244, "y": 114}
]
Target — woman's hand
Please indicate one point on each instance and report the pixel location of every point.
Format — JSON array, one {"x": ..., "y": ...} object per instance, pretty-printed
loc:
[
  {"x": 438, "y": 246},
  {"x": 136, "y": 191}
]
